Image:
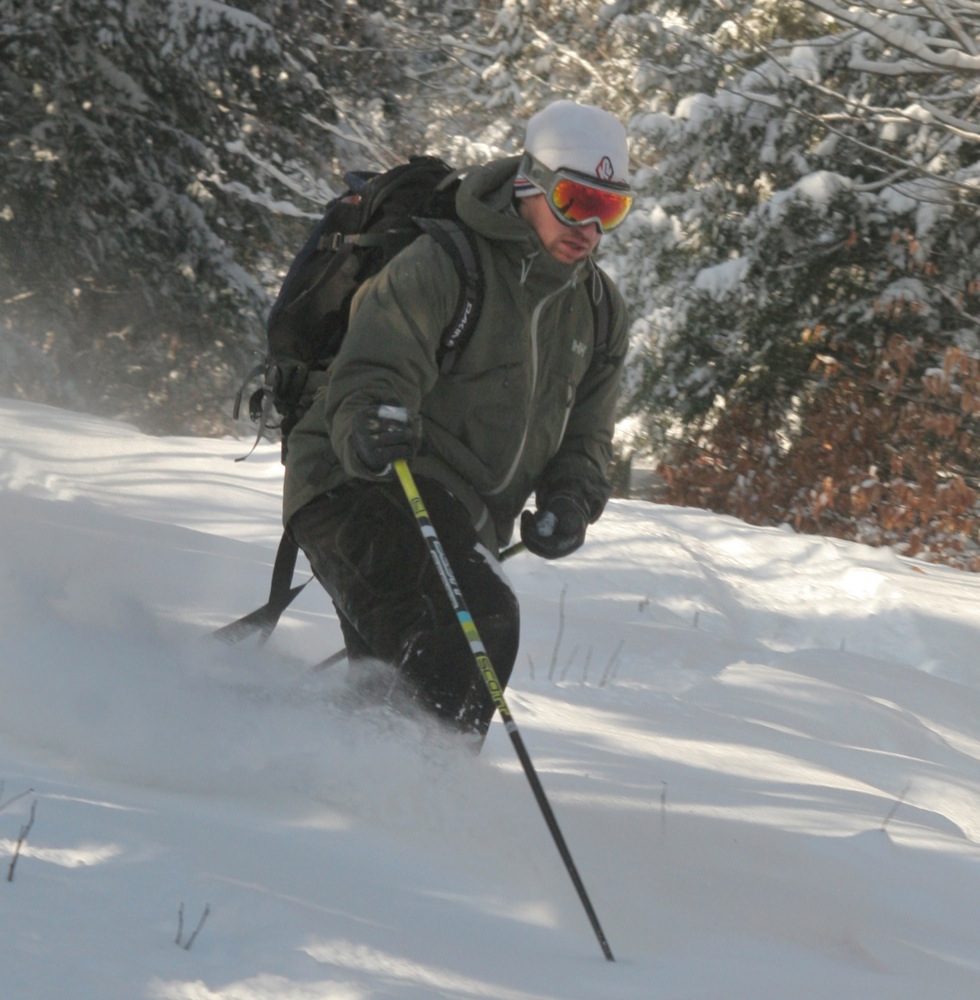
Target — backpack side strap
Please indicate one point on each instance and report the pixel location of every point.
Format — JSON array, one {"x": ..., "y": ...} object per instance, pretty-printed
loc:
[{"x": 281, "y": 594}]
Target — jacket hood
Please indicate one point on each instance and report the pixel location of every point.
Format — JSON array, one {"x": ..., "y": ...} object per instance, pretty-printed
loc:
[
  {"x": 484, "y": 202},
  {"x": 484, "y": 195}
]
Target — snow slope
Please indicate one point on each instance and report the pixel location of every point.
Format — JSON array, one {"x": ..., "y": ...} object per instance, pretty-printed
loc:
[{"x": 762, "y": 749}]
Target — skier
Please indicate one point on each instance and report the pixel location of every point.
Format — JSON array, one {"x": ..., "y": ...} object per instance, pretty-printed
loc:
[{"x": 528, "y": 408}]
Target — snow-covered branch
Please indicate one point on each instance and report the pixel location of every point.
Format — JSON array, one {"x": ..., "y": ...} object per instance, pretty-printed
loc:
[{"x": 929, "y": 54}]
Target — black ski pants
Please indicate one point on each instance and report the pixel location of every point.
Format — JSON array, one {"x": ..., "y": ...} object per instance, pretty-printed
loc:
[{"x": 365, "y": 548}]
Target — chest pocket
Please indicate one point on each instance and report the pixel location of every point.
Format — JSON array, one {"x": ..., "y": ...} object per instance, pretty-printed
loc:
[{"x": 483, "y": 401}]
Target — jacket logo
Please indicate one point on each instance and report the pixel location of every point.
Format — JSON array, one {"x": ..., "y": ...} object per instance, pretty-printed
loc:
[{"x": 579, "y": 348}]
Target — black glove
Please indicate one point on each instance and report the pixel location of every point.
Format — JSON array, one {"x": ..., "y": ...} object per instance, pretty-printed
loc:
[
  {"x": 383, "y": 433},
  {"x": 557, "y": 529}
]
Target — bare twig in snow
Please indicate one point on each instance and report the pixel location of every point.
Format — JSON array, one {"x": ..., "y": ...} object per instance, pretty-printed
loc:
[
  {"x": 894, "y": 809},
  {"x": 572, "y": 657},
  {"x": 24, "y": 831},
  {"x": 561, "y": 629},
  {"x": 197, "y": 930},
  {"x": 569, "y": 662},
  {"x": 663, "y": 810},
  {"x": 12, "y": 799},
  {"x": 610, "y": 666}
]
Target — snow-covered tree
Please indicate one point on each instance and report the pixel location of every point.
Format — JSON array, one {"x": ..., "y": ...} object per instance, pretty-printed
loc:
[
  {"x": 810, "y": 214},
  {"x": 155, "y": 159}
]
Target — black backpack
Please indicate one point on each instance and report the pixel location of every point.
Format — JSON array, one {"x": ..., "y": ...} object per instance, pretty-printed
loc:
[{"x": 361, "y": 230}]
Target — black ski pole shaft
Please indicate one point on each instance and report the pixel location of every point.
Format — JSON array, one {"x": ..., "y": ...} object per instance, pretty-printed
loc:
[{"x": 492, "y": 682}]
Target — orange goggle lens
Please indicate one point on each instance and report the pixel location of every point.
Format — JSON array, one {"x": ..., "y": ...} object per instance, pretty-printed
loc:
[{"x": 576, "y": 204}]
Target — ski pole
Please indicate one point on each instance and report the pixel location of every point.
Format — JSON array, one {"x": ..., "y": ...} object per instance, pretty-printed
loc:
[
  {"x": 341, "y": 653},
  {"x": 492, "y": 682}
]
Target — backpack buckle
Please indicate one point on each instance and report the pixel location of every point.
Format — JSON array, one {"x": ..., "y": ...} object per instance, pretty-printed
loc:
[
  {"x": 285, "y": 381},
  {"x": 330, "y": 241}
]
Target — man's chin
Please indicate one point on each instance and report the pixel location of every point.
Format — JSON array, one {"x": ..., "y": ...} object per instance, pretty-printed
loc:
[{"x": 571, "y": 253}]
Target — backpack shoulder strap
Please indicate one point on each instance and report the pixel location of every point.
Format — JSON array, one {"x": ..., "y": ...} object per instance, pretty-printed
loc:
[
  {"x": 458, "y": 242},
  {"x": 601, "y": 300}
]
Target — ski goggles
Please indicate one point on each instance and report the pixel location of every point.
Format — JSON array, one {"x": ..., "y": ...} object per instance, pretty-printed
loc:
[{"x": 577, "y": 200}]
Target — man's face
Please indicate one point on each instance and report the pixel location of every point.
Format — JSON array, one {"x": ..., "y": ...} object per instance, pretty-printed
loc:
[{"x": 569, "y": 244}]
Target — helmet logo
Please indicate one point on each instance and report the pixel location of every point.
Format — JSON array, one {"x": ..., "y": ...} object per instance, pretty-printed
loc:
[{"x": 604, "y": 169}]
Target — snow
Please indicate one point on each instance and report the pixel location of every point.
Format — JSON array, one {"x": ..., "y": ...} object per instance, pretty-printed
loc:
[
  {"x": 762, "y": 749},
  {"x": 696, "y": 109},
  {"x": 819, "y": 188},
  {"x": 804, "y": 63},
  {"x": 721, "y": 279}
]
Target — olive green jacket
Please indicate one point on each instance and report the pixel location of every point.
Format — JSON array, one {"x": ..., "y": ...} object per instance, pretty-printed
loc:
[{"x": 529, "y": 406}]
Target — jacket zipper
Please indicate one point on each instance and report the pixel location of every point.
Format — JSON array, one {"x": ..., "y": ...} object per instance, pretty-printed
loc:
[{"x": 535, "y": 316}]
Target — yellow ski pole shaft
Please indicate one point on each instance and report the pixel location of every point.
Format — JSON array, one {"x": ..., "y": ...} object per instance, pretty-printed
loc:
[{"x": 492, "y": 682}]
